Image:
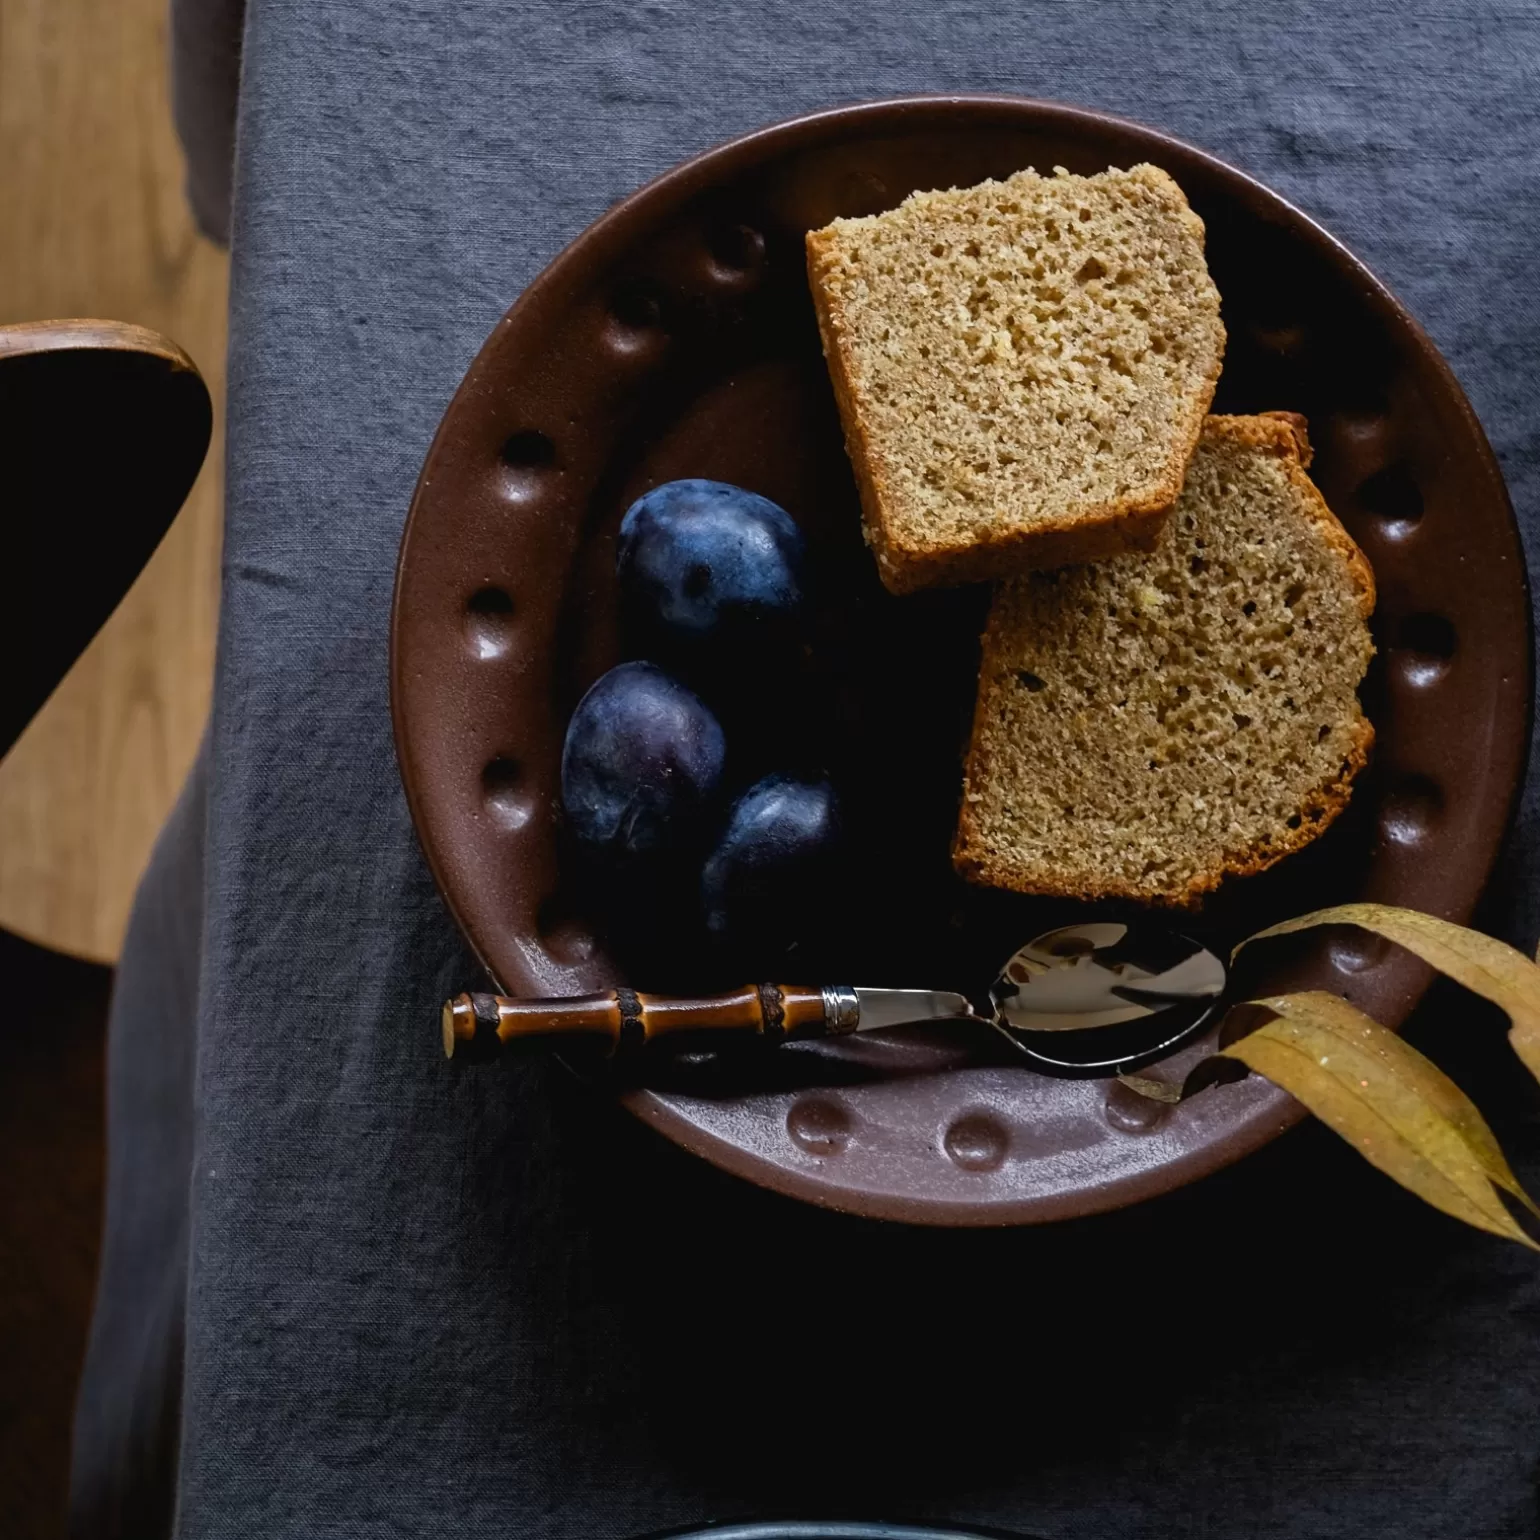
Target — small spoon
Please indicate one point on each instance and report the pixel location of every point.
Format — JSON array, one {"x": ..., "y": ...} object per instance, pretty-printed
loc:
[
  {"x": 1104, "y": 998},
  {"x": 1100, "y": 998}
]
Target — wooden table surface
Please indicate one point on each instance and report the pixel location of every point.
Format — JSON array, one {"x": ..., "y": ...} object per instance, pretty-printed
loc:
[{"x": 96, "y": 225}]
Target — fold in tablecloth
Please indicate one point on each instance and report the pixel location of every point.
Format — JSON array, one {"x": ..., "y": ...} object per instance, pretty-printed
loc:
[{"x": 425, "y": 1303}]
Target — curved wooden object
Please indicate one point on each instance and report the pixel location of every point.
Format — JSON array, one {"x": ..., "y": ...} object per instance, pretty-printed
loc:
[
  {"x": 103, "y": 429},
  {"x": 622, "y": 1021}
]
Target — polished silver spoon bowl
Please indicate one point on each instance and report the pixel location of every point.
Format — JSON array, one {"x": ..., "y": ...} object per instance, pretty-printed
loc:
[{"x": 1105, "y": 998}]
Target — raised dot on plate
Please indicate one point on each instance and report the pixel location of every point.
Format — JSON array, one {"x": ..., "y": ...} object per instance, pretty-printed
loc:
[
  {"x": 977, "y": 1141},
  {"x": 1423, "y": 649},
  {"x": 489, "y": 621},
  {"x": 565, "y": 938},
  {"x": 736, "y": 250},
  {"x": 1130, "y": 1113},
  {"x": 862, "y": 192},
  {"x": 1393, "y": 497},
  {"x": 637, "y": 304},
  {"x": 527, "y": 456},
  {"x": 504, "y": 793},
  {"x": 1359, "y": 436},
  {"x": 1358, "y": 952},
  {"x": 819, "y": 1125},
  {"x": 1411, "y": 809},
  {"x": 634, "y": 326}
]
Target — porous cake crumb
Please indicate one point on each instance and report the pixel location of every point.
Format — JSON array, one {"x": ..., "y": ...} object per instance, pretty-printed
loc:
[
  {"x": 1022, "y": 368},
  {"x": 1149, "y": 725}
]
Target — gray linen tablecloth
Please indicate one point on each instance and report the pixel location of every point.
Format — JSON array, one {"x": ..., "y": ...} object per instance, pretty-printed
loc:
[{"x": 486, "y": 1305}]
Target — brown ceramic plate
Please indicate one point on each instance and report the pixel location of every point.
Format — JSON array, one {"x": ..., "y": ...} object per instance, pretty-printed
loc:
[{"x": 675, "y": 338}]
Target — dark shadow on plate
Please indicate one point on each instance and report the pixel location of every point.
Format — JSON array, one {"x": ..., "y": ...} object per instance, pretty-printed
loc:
[{"x": 898, "y": 1054}]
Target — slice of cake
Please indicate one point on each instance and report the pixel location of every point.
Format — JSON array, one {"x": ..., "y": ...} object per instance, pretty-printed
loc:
[
  {"x": 1022, "y": 368},
  {"x": 1149, "y": 725}
]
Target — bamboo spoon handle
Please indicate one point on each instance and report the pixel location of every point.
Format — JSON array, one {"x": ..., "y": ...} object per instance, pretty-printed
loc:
[{"x": 620, "y": 1021}]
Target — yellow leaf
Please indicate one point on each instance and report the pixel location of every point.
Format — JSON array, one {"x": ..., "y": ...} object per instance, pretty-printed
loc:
[
  {"x": 1488, "y": 967},
  {"x": 1152, "y": 1090},
  {"x": 1418, "y": 1075},
  {"x": 1393, "y": 1105}
]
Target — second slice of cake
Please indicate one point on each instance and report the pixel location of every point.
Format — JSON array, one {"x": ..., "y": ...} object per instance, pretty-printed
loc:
[
  {"x": 1148, "y": 726},
  {"x": 1022, "y": 368}
]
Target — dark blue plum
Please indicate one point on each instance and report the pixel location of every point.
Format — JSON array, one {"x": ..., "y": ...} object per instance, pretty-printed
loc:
[
  {"x": 641, "y": 765},
  {"x": 772, "y": 871},
  {"x": 704, "y": 561}
]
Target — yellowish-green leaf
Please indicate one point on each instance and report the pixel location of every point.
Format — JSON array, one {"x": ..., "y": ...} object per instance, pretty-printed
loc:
[
  {"x": 1153, "y": 1090},
  {"x": 1393, "y": 1105},
  {"x": 1484, "y": 965},
  {"x": 1418, "y": 1075}
]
